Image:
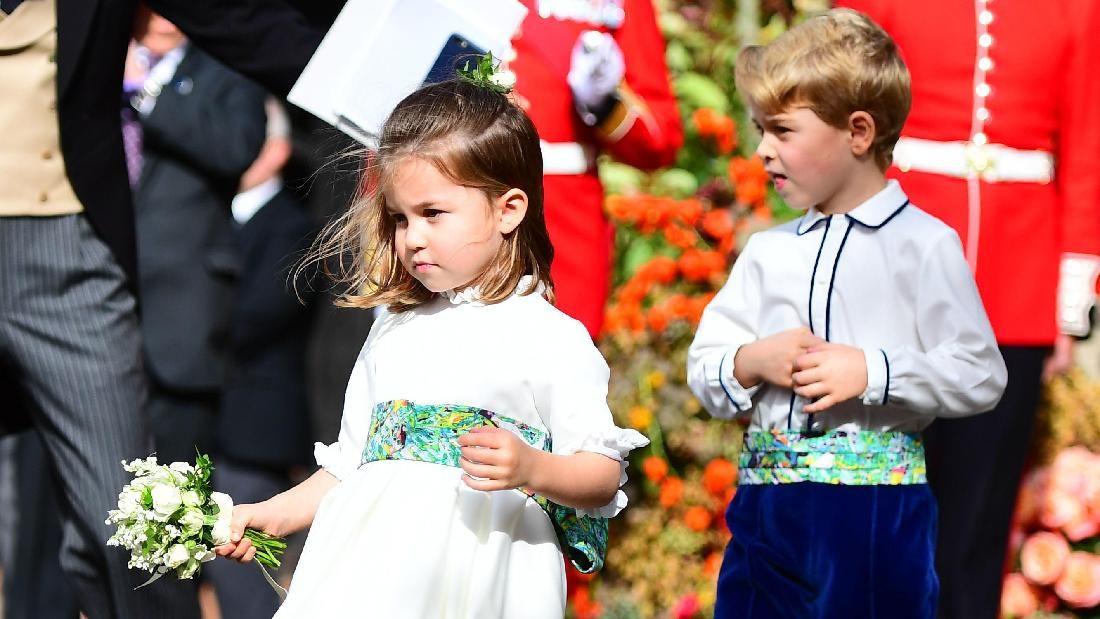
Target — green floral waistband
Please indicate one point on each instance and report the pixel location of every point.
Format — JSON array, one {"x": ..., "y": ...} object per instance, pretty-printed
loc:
[
  {"x": 402, "y": 430},
  {"x": 837, "y": 457}
]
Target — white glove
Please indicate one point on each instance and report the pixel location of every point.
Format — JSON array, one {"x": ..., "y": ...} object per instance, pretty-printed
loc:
[
  {"x": 595, "y": 71},
  {"x": 1076, "y": 292}
]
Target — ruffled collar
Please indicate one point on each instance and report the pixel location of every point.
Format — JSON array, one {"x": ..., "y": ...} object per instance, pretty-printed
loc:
[{"x": 471, "y": 295}]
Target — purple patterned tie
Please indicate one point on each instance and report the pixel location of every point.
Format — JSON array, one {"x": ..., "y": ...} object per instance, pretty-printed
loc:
[{"x": 131, "y": 138}]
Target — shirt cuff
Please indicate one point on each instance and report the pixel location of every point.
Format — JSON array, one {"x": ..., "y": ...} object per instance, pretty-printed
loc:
[
  {"x": 878, "y": 377},
  {"x": 739, "y": 397}
]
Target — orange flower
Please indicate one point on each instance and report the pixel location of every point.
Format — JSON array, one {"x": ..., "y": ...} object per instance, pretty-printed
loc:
[
  {"x": 584, "y": 607},
  {"x": 712, "y": 564},
  {"x": 634, "y": 291},
  {"x": 640, "y": 417},
  {"x": 672, "y": 490},
  {"x": 718, "y": 223},
  {"x": 657, "y": 318},
  {"x": 1018, "y": 598},
  {"x": 751, "y": 192},
  {"x": 661, "y": 269},
  {"x": 1043, "y": 557},
  {"x": 679, "y": 237},
  {"x": 705, "y": 120},
  {"x": 716, "y": 127},
  {"x": 678, "y": 306},
  {"x": 655, "y": 469},
  {"x": 689, "y": 211},
  {"x": 693, "y": 267},
  {"x": 719, "y": 476},
  {"x": 1079, "y": 584},
  {"x": 697, "y": 518}
]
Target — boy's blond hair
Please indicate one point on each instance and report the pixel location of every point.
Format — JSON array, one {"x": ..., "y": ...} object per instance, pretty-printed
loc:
[{"x": 834, "y": 64}]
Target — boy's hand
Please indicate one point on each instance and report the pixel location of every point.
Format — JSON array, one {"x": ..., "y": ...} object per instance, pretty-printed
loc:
[
  {"x": 829, "y": 374},
  {"x": 496, "y": 459},
  {"x": 260, "y": 516},
  {"x": 771, "y": 359}
]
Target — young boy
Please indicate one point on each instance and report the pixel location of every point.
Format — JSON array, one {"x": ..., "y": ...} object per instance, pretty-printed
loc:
[{"x": 842, "y": 334}]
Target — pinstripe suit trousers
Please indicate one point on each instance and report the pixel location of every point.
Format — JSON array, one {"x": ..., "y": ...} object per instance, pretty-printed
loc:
[{"x": 69, "y": 336}]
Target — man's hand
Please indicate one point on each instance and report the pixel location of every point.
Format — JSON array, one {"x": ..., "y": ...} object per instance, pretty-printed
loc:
[
  {"x": 1061, "y": 358},
  {"x": 771, "y": 359},
  {"x": 829, "y": 374},
  {"x": 496, "y": 459}
]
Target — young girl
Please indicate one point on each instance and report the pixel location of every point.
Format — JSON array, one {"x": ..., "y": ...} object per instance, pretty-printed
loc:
[{"x": 476, "y": 443}]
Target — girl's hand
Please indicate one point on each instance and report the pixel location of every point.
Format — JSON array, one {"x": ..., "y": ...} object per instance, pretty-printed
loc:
[
  {"x": 260, "y": 516},
  {"x": 830, "y": 374},
  {"x": 499, "y": 458}
]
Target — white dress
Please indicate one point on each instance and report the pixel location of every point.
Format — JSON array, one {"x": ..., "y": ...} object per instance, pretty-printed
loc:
[{"x": 400, "y": 538}]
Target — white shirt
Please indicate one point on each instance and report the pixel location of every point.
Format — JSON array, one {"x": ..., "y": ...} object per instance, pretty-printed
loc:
[
  {"x": 887, "y": 278},
  {"x": 248, "y": 203}
]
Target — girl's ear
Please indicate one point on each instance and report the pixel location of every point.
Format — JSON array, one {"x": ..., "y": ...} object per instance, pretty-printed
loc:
[
  {"x": 861, "y": 126},
  {"x": 512, "y": 206}
]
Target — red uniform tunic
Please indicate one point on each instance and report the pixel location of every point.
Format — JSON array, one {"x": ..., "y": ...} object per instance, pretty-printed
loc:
[
  {"x": 643, "y": 131},
  {"x": 1024, "y": 75}
]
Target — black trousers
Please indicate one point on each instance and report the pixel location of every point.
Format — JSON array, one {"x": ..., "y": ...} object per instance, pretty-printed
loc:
[{"x": 974, "y": 467}]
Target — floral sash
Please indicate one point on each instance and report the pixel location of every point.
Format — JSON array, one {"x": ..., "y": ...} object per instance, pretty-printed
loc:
[
  {"x": 402, "y": 430},
  {"x": 837, "y": 457}
]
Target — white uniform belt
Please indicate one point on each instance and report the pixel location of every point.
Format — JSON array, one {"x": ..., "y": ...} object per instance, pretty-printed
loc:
[
  {"x": 567, "y": 157},
  {"x": 990, "y": 162}
]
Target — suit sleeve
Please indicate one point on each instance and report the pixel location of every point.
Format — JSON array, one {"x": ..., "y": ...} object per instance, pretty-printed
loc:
[
  {"x": 218, "y": 127},
  {"x": 643, "y": 129},
  {"x": 266, "y": 40}
]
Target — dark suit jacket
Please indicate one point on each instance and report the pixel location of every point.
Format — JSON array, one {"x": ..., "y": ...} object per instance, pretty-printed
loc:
[
  {"x": 207, "y": 127},
  {"x": 264, "y": 39},
  {"x": 265, "y": 395}
]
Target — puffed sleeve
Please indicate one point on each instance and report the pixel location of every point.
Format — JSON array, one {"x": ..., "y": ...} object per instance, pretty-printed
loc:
[
  {"x": 343, "y": 457},
  {"x": 728, "y": 323},
  {"x": 958, "y": 369},
  {"x": 571, "y": 397}
]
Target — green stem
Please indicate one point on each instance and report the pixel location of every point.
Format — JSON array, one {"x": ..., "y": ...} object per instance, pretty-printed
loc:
[{"x": 269, "y": 548}]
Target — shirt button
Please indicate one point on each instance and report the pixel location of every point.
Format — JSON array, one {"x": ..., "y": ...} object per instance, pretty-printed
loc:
[
  {"x": 47, "y": 154},
  {"x": 43, "y": 197}
]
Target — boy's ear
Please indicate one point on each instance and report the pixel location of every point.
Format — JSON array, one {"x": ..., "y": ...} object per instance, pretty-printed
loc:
[
  {"x": 861, "y": 126},
  {"x": 513, "y": 208}
]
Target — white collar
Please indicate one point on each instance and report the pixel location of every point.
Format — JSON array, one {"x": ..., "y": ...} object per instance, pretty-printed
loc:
[
  {"x": 472, "y": 294},
  {"x": 248, "y": 203},
  {"x": 873, "y": 213}
]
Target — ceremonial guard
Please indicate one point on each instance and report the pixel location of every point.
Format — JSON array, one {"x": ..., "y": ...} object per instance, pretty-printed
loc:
[{"x": 591, "y": 74}]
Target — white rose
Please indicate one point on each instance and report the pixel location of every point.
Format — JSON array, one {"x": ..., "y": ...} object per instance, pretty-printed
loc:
[
  {"x": 219, "y": 533},
  {"x": 166, "y": 499},
  {"x": 189, "y": 570},
  {"x": 177, "y": 556},
  {"x": 192, "y": 521},
  {"x": 204, "y": 555},
  {"x": 129, "y": 502},
  {"x": 181, "y": 467},
  {"x": 191, "y": 498},
  {"x": 224, "y": 503}
]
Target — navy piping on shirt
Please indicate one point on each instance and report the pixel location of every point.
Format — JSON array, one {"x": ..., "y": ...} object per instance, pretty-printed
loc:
[
  {"x": 884, "y": 221},
  {"x": 886, "y": 395},
  {"x": 832, "y": 280},
  {"x": 722, "y": 364}
]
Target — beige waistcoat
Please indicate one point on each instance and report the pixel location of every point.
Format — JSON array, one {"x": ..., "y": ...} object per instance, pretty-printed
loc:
[{"x": 32, "y": 173}]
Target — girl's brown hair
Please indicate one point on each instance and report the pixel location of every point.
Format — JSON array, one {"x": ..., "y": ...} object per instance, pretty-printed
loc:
[{"x": 477, "y": 138}]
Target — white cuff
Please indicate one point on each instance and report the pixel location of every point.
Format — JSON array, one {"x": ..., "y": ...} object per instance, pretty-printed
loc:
[
  {"x": 1076, "y": 292},
  {"x": 331, "y": 459},
  {"x": 722, "y": 377},
  {"x": 615, "y": 443},
  {"x": 878, "y": 377}
]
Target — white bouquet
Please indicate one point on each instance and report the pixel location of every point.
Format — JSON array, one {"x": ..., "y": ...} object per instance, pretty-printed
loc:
[{"x": 169, "y": 519}]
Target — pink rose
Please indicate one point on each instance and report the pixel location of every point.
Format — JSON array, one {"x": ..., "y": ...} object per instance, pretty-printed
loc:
[
  {"x": 1060, "y": 508},
  {"x": 1070, "y": 469},
  {"x": 1082, "y": 527},
  {"x": 1079, "y": 584},
  {"x": 1018, "y": 597},
  {"x": 1043, "y": 557},
  {"x": 1032, "y": 495},
  {"x": 687, "y": 607}
]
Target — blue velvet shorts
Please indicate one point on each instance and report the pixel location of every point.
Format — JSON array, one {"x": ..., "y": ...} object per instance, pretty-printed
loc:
[{"x": 825, "y": 551}]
